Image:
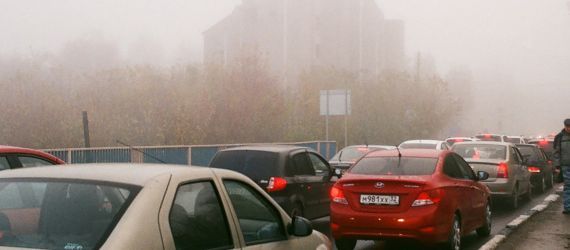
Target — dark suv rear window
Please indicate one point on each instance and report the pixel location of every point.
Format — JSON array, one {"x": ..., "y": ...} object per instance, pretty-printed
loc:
[
  {"x": 531, "y": 153},
  {"x": 546, "y": 145},
  {"x": 390, "y": 166},
  {"x": 254, "y": 164}
]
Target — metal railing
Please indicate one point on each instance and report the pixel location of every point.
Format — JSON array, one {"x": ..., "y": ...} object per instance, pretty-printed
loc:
[{"x": 196, "y": 155}]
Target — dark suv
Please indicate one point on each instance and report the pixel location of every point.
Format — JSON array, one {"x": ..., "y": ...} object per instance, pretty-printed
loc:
[
  {"x": 540, "y": 168},
  {"x": 298, "y": 178}
]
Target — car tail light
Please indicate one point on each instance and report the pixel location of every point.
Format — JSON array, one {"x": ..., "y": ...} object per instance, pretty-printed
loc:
[
  {"x": 428, "y": 198},
  {"x": 487, "y": 136},
  {"x": 458, "y": 140},
  {"x": 543, "y": 142},
  {"x": 534, "y": 169},
  {"x": 502, "y": 170},
  {"x": 337, "y": 195},
  {"x": 276, "y": 184}
]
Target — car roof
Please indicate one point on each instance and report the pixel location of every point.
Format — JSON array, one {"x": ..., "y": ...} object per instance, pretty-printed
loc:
[
  {"x": 370, "y": 146},
  {"x": 126, "y": 173},
  {"x": 484, "y": 142},
  {"x": 18, "y": 150},
  {"x": 424, "y": 153},
  {"x": 460, "y": 137},
  {"x": 269, "y": 148},
  {"x": 423, "y": 141}
]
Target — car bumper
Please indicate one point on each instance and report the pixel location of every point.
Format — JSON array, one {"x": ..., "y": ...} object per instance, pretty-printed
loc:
[
  {"x": 500, "y": 187},
  {"x": 424, "y": 224}
]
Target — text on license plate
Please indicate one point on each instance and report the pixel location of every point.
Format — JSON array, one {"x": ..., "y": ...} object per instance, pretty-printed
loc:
[{"x": 379, "y": 199}]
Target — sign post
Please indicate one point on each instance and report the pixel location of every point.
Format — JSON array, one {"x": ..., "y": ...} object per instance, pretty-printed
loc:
[{"x": 335, "y": 102}]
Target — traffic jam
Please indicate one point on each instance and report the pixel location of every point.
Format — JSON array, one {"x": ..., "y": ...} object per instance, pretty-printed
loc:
[{"x": 433, "y": 193}]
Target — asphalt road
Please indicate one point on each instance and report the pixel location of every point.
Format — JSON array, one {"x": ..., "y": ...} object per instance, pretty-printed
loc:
[{"x": 502, "y": 215}]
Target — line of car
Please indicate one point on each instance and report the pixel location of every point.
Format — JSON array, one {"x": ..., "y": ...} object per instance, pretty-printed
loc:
[{"x": 431, "y": 191}]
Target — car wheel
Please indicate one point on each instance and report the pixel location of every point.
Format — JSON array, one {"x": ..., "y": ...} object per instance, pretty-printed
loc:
[
  {"x": 297, "y": 210},
  {"x": 485, "y": 229},
  {"x": 454, "y": 240},
  {"x": 550, "y": 182},
  {"x": 541, "y": 185},
  {"x": 345, "y": 244},
  {"x": 528, "y": 195},
  {"x": 514, "y": 200}
]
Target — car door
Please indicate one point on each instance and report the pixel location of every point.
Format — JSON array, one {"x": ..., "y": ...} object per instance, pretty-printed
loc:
[
  {"x": 307, "y": 183},
  {"x": 323, "y": 170},
  {"x": 460, "y": 189},
  {"x": 519, "y": 169},
  {"x": 260, "y": 222},
  {"x": 477, "y": 192}
]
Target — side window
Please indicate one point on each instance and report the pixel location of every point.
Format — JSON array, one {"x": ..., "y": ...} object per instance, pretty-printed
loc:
[
  {"x": 450, "y": 168},
  {"x": 259, "y": 220},
  {"x": 197, "y": 219},
  {"x": 319, "y": 166},
  {"x": 4, "y": 163},
  {"x": 302, "y": 165},
  {"x": 22, "y": 195},
  {"x": 515, "y": 155},
  {"x": 33, "y": 162},
  {"x": 466, "y": 170}
]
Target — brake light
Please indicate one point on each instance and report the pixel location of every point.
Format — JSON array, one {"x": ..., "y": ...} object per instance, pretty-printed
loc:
[
  {"x": 337, "y": 195},
  {"x": 543, "y": 142},
  {"x": 502, "y": 170},
  {"x": 458, "y": 140},
  {"x": 487, "y": 136},
  {"x": 428, "y": 198},
  {"x": 534, "y": 169},
  {"x": 276, "y": 184}
]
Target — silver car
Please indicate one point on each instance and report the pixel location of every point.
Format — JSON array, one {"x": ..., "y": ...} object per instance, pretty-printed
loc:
[
  {"x": 129, "y": 206},
  {"x": 509, "y": 178}
]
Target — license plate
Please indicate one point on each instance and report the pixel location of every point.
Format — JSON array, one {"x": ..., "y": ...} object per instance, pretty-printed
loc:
[{"x": 370, "y": 199}]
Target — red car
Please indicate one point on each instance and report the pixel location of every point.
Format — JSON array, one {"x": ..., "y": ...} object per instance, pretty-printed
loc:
[
  {"x": 426, "y": 195},
  {"x": 14, "y": 157}
]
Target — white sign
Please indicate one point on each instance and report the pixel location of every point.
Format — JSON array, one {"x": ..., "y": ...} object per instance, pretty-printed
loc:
[{"x": 338, "y": 102}]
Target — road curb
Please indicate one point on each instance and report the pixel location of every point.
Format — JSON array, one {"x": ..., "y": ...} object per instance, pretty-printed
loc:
[{"x": 494, "y": 242}]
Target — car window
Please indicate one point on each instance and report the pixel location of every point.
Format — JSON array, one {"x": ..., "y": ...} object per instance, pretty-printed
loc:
[
  {"x": 302, "y": 165},
  {"x": 259, "y": 220},
  {"x": 532, "y": 154},
  {"x": 252, "y": 163},
  {"x": 4, "y": 163},
  {"x": 197, "y": 220},
  {"x": 61, "y": 214},
  {"x": 395, "y": 166},
  {"x": 466, "y": 170},
  {"x": 451, "y": 169},
  {"x": 319, "y": 165},
  {"x": 515, "y": 154},
  {"x": 481, "y": 151},
  {"x": 419, "y": 145},
  {"x": 28, "y": 161}
]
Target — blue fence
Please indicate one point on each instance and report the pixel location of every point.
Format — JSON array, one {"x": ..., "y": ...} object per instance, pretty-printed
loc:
[{"x": 184, "y": 155}]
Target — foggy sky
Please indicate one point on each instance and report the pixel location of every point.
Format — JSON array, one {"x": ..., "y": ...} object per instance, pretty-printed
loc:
[{"x": 522, "y": 45}]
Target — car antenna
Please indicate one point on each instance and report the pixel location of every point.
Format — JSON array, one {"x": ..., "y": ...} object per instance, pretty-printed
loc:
[
  {"x": 138, "y": 150},
  {"x": 399, "y": 156}
]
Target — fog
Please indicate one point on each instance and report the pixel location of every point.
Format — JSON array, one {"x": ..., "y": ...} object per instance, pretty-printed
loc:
[{"x": 514, "y": 54}]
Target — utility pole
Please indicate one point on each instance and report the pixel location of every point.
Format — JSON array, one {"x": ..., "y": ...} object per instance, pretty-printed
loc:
[{"x": 86, "y": 130}]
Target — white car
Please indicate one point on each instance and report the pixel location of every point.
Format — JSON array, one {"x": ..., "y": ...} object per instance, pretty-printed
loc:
[
  {"x": 425, "y": 144},
  {"x": 130, "y": 206},
  {"x": 453, "y": 140}
]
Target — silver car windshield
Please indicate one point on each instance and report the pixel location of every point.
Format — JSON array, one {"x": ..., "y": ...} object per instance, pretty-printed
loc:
[{"x": 60, "y": 214}]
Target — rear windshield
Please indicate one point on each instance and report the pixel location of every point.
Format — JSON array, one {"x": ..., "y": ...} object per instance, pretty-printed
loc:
[
  {"x": 513, "y": 140},
  {"x": 489, "y": 137},
  {"x": 545, "y": 145},
  {"x": 532, "y": 154},
  {"x": 453, "y": 141},
  {"x": 353, "y": 153},
  {"x": 60, "y": 214},
  {"x": 254, "y": 164},
  {"x": 481, "y": 151},
  {"x": 419, "y": 145},
  {"x": 393, "y": 166}
]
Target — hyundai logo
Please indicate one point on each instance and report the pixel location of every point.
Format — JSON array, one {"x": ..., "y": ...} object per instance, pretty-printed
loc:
[{"x": 379, "y": 185}]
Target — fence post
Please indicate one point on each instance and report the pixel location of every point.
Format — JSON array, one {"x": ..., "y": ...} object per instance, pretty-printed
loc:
[{"x": 189, "y": 156}]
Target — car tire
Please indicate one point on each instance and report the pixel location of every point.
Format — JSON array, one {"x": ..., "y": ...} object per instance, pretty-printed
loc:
[
  {"x": 297, "y": 210},
  {"x": 514, "y": 199},
  {"x": 550, "y": 182},
  {"x": 541, "y": 185},
  {"x": 485, "y": 229},
  {"x": 528, "y": 194},
  {"x": 454, "y": 240},
  {"x": 345, "y": 244}
]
